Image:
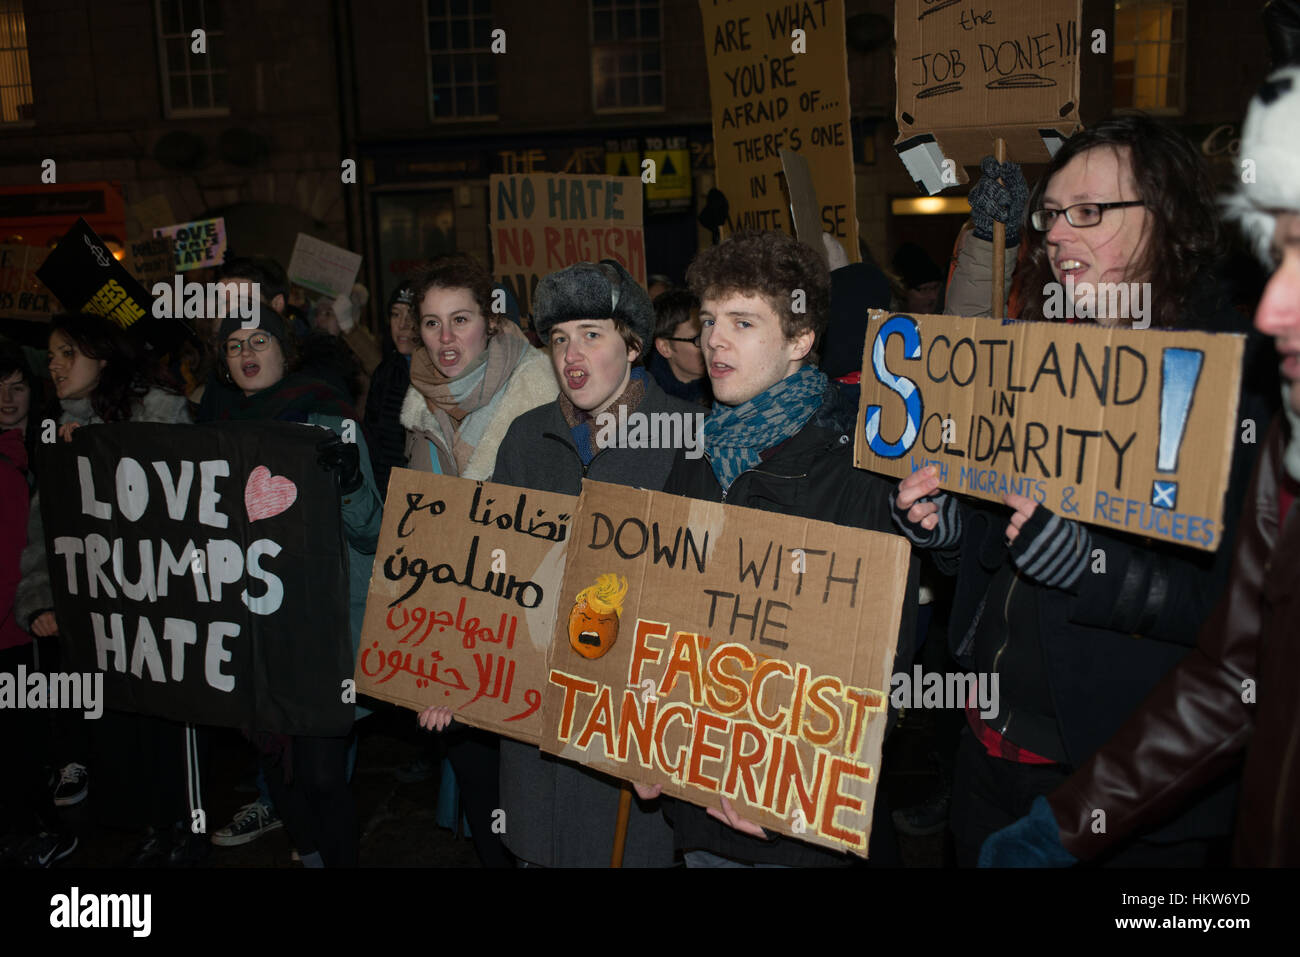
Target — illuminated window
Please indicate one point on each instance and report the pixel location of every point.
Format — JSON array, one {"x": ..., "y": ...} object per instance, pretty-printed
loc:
[
  {"x": 462, "y": 68},
  {"x": 626, "y": 64},
  {"x": 194, "y": 84},
  {"x": 15, "y": 72},
  {"x": 1150, "y": 55}
]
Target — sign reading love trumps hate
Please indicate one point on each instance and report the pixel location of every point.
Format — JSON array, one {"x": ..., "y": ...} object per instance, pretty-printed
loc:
[
  {"x": 462, "y": 599},
  {"x": 203, "y": 570},
  {"x": 720, "y": 650},
  {"x": 1127, "y": 429}
]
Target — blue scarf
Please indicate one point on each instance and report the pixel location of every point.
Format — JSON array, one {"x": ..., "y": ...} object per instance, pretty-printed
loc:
[{"x": 735, "y": 437}]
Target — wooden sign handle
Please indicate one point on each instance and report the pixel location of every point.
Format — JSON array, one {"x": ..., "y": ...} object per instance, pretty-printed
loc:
[
  {"x": 999, "y": 242},
  {"x": 620, "y": 826}
]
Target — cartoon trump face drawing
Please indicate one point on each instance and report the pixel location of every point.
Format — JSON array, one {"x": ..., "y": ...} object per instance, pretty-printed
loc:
[{"x": 593, "y": 622}]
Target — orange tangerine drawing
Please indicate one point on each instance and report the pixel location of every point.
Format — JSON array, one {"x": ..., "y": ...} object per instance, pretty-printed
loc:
[{"x": 593, "y": 622}]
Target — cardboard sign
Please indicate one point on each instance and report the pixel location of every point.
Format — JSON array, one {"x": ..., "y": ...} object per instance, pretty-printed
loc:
[
  {"x": 463, "y": 597},
  {"x": 86, "y": 278},
  {"x": 723, "y": 650},
  {"x": 803, "y": 200},
  {"x": 21, "y": 293},
  {"x": 773, "y": 89},
  {"x": 148, "y": 214},
  {"x": 151, "y": 260},
  {"x": 1131, "y": 430},
  {"x": 967, "y": 75},
  {"x": 541, "y": 222},
  {"x": 323, "y": 268},
  {"x": 198, "y": 244},
  {"x": 203, "y": 570}
]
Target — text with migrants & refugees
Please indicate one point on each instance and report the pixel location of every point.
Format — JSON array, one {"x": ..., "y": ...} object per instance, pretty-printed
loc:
[{"x": 714, "y": 650}]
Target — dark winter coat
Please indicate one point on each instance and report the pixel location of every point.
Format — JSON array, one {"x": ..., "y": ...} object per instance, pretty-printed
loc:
[
  {"x": 384, "y": 430},
  {"x": 811, "y": 475},
  {"x": 561, "y": 814}
]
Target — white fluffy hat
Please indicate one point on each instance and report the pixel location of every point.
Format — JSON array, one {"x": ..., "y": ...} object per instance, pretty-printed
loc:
[{"x": 1270, "y": 139}]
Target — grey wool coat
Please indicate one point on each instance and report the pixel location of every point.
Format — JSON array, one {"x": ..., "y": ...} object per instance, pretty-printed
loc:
[{"x": 559, "y": 814}]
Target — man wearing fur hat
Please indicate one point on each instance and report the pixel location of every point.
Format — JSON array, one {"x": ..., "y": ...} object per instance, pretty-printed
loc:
[
  {"x": 596, "y": 322},
  {"x": 1237, "y": 691},
  {"x": 779, "y": 439}
]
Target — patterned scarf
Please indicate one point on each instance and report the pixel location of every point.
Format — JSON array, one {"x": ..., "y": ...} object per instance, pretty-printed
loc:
[
  {"x": 582, "y": 425},
  {"x": 452, "y": 400},
  {"x": 735, "y": 437}
]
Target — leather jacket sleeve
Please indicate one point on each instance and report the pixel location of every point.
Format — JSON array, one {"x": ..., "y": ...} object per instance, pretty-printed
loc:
[{"x": 1196, "y": 723}]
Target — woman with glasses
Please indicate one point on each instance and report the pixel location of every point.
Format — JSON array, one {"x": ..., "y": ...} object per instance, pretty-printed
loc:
[
  {"x": 308, "y": 776},
  {"x": 138, "y": 761},
  {"x": 1078, "y": 622}
]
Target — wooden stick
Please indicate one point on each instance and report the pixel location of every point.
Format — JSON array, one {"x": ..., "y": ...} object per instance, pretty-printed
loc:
[
  {"x": 620, "y": 826},
  {"x": 999, "y": 242}
]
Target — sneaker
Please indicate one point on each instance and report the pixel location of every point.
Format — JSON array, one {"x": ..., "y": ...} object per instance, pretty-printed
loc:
[
  {"x": 188, "y": 849},
  {"x": 152, "y": 850},
  {"x": 251, "y": 822},
  {"x": 47, "y": 847},
  {"x": 421, "y": 769},
  {"x": 72, "y": 785}
]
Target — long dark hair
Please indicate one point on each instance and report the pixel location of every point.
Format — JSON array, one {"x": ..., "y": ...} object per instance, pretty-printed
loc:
[
  {"x": 121, "y": 382},
  {"x": 1174, "y": 183}
]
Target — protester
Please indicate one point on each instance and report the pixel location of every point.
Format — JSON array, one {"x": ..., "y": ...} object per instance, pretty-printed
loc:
[
  {"x": 1237, "y": 690},
  {"x": 475, "y": 375},
  {"x": 676, "y": 361},
  {"x": 922, "y": 287},
  {"x": 138, "y": 761},
  {"x": 308, "y": 775},
  {"x": 596, "y": 322},
  {"x": 779, "y": 439},
  {"x": 1127, "y": 200},
  {"x": 388, "y": 387}
]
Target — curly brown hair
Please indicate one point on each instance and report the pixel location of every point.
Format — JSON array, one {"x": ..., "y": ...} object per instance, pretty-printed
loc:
[
  {"x": 457, "y": 271},
  {"x": 1174, "y": 183},
  {"x": 122, "y": 380},
  {"x": 773, "y": 266}
]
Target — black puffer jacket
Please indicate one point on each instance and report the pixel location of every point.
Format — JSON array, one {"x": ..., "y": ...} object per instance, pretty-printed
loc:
[{"x": 810, "y": 475}]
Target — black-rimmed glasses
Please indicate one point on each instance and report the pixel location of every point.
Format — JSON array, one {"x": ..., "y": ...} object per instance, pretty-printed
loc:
[
  {"x": 257, "y": 342},
  {"x": 693, "y": 340},
  {"x": 1080, "y": 215}
]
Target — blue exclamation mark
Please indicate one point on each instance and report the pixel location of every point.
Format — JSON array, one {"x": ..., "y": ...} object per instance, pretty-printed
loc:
[{"x": 1179, "y": 371}]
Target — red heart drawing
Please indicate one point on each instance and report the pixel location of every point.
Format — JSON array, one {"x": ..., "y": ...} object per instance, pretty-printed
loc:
[{"x": 268, "y": 495}]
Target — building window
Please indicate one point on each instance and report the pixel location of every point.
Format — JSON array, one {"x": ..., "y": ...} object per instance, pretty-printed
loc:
[
  {"x": 194, "y": 84},
  {"x": 15, "y": 71},
  {"x": 462, "y": 70},
  {"x": 626, "y": 65},
  {"x": 1150, "y": 53}
]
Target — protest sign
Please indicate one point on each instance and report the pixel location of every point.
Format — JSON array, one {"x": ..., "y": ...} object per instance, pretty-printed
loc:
[
  {"x": 143, "y": 217},
  {"x": 968, "y": 75},
  {"x": 86, "y": 278},
  {"x": 463, "y": 597},
  {"x": 719, "y": 650},
  {"x": 204, "y": 571},
  {"x": 151, "y": 260},
  {"x": 21, "y": 293},
  {"x": 803, "y": 200},
  {"x": 1131, "y": 430},
  {"x": 198, "y": 244},
  {"x": 778, "y": 79},
  {"x": 541, "y": 222},
  {"x": 322, "y": 267}
]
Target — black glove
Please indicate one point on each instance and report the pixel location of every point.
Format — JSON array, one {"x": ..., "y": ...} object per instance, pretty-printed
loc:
[
  {"x": 344, "y": 458},
  {"x": 1003, "y": 202}
]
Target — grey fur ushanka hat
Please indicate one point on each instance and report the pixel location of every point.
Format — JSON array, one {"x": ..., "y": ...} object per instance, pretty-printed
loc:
[{"x": 603, "y": 290}]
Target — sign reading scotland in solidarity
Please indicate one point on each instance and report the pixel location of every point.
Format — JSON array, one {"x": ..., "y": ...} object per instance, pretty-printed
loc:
[
  {"x": 1127, "y": 429},
  {"x": 203, "y": 570}
]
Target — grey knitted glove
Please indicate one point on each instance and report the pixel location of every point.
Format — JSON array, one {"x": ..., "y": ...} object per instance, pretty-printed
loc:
[
  {"x": 1003, "y": 202},
  {"x": 1051, "y": 550},
  {"x": 944, "y": 535}
]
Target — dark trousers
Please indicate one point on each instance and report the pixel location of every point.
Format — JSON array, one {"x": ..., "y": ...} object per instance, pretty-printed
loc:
[
  {"x": 25, "y": 800},
  {"x": 989, "y": 793},
  {"x": 475, "y": 756},
  {"x": 316, "y": 804}
]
